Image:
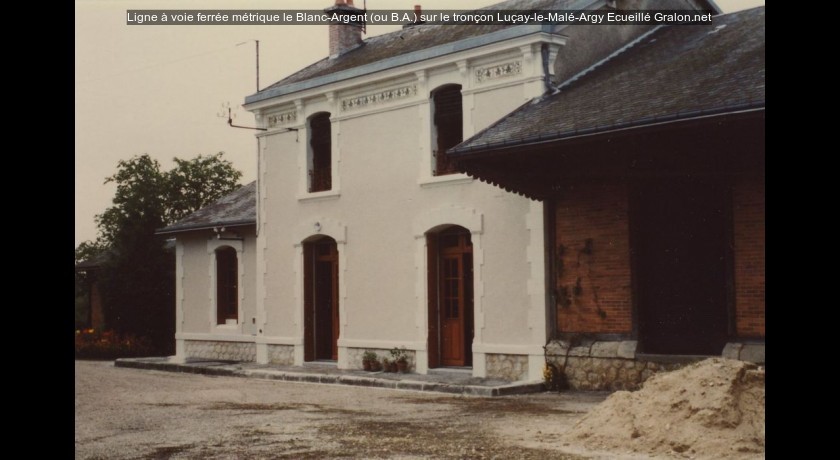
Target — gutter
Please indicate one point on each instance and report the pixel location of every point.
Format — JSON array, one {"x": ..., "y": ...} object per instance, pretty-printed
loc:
[
  {"x": 194, "y": 227},
  {"x": 549, "y": 86}
]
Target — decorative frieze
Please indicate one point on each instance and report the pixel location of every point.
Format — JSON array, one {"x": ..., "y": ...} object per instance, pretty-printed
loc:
[
  {"x": 507, "y": 69},
  {"x": 366, "y": 100},
  {"x": 282, "y": 118}
]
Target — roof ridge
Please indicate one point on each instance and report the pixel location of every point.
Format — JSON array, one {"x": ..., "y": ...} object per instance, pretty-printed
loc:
[
  {"x": 628, "y": 46},
  {"x": 608, "y": 58}
]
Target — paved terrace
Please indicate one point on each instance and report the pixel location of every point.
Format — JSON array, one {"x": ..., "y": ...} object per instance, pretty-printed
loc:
[{"x": 452, "y": 381}]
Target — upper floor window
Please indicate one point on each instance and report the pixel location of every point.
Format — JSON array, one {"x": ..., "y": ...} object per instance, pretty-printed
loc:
[
  {"x": 320, "y": 153},
  {"x": 448, "y": 129}
]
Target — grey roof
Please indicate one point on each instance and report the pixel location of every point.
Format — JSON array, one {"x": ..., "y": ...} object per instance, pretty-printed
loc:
[
  {"x": 676, "y": 72},
  {"x": 94, "y": 262},
  {"x": 238, "y": 208},
  {"x": 403, "y": 42}
]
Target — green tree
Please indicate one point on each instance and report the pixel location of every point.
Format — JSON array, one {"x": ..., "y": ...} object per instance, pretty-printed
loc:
[
  {"x": 137, "y": 277},
  {"x": 89, "y": 250},
  {"x": 195, "y": 183}
]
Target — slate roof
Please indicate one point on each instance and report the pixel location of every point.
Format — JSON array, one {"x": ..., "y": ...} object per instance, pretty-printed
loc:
[
  {"x": 406, "y": 43},
  {"x": 412, "y": 39},
  {"x": 676, "y": 72},
  {"x": 236, "y": 209}
]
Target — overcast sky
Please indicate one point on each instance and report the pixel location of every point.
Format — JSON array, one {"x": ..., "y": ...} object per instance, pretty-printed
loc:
[{"x": 161, "y": 89}]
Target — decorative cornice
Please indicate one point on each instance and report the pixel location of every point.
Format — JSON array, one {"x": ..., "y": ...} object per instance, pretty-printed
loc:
[
  {"x": 354, "y": 103},
  {"x": 498, "y": 71},
  {"x": 282, "y": 118}
]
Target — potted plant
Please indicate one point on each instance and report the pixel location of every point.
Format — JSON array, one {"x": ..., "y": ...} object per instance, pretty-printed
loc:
[
  {"x": 386, "y": 365},
  {"x": 400, "y": 357},
  {"x": 368, "y": 358}
]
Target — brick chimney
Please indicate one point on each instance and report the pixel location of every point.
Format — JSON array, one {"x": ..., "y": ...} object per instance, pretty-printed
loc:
[
  {"x": 418, "y": 10},
  {"x": 345, "y": 36}
]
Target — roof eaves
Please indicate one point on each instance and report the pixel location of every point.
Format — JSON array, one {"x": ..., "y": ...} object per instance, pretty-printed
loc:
[
  {"x": 403, "y": 59},
  {"x": 204, "y": 226},
  {"x": 596, "y": 130}
]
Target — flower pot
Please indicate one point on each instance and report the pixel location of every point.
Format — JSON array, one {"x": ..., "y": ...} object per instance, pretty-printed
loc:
[
  {"x": 392, "y": 367},
  {"x": 375, "y": 366},
  {"x": 366, "y": 365},
  {"x": 402, "y": 366}
]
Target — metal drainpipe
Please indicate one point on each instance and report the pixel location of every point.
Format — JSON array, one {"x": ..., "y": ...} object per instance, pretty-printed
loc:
[{"x": 549, "y": 87}]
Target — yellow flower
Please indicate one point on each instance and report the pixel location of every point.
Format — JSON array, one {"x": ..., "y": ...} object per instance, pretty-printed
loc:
[{"x": 547, "y": 374}]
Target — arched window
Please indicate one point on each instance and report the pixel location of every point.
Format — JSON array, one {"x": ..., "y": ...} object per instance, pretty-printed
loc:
[
  {"x": 227, "y": 280},
  {"x": 448, "y": 128},
  {"x": 320, "y": 153}
]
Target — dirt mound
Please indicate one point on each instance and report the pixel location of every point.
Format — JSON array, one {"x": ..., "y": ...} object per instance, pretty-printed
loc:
[{"x": 710, "y": 409}]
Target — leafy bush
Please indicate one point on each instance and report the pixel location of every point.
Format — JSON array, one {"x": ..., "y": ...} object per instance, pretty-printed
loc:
[
  {"x": 369, "y": 356},
  {"x": 399, "y": 354}
]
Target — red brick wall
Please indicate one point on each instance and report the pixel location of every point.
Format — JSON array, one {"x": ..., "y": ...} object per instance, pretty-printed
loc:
[
  {"x": 343, "y": 37},
  {"x": 748, "y": 215},
  {"x": 598, "y": 211}
]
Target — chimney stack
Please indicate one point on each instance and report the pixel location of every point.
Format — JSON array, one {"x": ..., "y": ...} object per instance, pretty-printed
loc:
[
  {"x": 418, "y": 10},
  {"x": 345, "y": 34}
]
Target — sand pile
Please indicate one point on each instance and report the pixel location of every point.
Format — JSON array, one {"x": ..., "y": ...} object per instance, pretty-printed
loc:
[{"x": 710, "y": 409}]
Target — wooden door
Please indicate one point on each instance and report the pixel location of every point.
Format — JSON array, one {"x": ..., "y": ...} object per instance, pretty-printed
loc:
[
  {"x": 453, "y": 302},
  {"x": 452, "y": 309},
  {"x": 321, "y": 323}
]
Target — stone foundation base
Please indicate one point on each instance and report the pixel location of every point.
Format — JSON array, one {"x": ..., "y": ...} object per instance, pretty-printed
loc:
[
  {"x": 615, "y": 365},
  {"x": 223, "y": 351},
  {"x": 752, "y": 352},
  {"x": 354, "y": 357},
  {"x": 283, "y": 355},
  {"x": 506, "y": 367},
  {"x": 602, "y": 365}
]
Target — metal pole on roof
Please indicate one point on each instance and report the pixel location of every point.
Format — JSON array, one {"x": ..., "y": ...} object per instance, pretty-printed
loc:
[
  {"x": 258, "y": 65},
  {"x": 258, "y": 59}
]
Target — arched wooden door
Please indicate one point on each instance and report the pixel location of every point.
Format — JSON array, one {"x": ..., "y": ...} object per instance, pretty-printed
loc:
[
  {"x": 450, "y": 297},
  {"x": 321, "y": 300}
]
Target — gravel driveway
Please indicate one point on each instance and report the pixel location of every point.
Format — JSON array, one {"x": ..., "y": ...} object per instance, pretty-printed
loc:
[{"x": 139, "y": 414}]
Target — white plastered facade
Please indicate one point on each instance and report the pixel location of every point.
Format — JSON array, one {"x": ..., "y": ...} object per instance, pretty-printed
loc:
[{"x": 383, "y": 201}]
